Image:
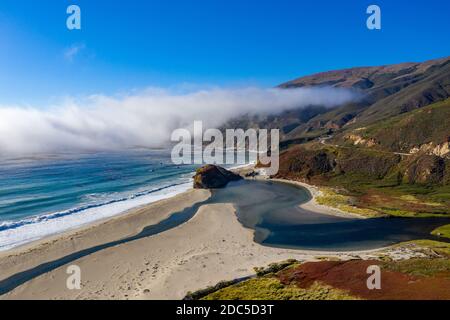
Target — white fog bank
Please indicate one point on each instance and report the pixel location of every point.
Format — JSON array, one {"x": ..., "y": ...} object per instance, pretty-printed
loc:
[{"x": 146, "y": 119}]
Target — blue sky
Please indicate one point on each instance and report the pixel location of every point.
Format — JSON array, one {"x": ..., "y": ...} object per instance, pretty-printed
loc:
[{"x": 133, "y": 44}]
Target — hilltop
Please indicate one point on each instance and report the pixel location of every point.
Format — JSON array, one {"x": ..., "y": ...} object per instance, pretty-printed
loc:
[{"x": 387, "y": 91}]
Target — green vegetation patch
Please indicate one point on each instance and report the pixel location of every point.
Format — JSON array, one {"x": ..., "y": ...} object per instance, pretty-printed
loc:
[
  {"x": 421, "y": 267},
  {"x": 199, "y": 294},
  {"x": 421, "y": 126},
  {"x": 344, "y": 203},
  {"x": 382, "y": 198},
  {"x": 441, "y": 248},
  {"x": 443, "y": 231},
  {"x": 275, "y": 267},
  {"x": 269, "y": 288}
]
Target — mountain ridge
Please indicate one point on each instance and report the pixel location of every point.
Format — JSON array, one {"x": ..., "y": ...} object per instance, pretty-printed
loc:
[
  {"x": 389, "y": 91},
  {"x": 315, "y": 79},
  {"x": 388, "y": 154}
]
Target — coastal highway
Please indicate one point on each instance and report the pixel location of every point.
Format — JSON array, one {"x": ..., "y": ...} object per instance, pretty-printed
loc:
[{"x": 323, "y": 140}]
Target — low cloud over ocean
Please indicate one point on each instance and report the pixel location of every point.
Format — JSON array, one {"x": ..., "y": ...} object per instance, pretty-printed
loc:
[{"x": 143, "y": 119}]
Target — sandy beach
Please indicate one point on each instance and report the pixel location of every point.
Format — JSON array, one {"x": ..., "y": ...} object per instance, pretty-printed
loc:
[
  {"x": 130, "y": 223},
  {"x": 211, "y": 247},
  {"x": 312, "y": 205}
]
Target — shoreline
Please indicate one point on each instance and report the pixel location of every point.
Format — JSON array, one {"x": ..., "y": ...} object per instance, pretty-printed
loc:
[
  {"x": 210, "y": 232},
  {"x": 124, "y": 225},
  {"x": 312, "y": 204},
  {"x": 30, "y": 229},
  {"x": 99, "y": 219},
  {"x": 242, "y": 170},
  {"x": 211, "y": 247},
  {"x": 314, "y": 192}
]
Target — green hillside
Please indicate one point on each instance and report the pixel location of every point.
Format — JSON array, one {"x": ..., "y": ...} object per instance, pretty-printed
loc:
[
  {"x": 401, "y": 133},
  {"x": 386, "y": 91}
]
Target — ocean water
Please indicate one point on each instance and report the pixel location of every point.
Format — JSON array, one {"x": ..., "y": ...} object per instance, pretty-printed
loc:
[{"x": 51, "y": 194}]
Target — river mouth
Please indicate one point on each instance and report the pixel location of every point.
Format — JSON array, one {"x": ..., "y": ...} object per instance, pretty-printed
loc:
[{"x": 272, "y": 210}]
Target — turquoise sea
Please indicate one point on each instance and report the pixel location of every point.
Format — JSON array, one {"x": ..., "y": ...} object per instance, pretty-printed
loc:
[{"x": 50, "y": 194}]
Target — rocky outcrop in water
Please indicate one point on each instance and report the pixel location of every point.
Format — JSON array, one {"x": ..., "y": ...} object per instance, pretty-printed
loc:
[{"x": 213, "y": 177}]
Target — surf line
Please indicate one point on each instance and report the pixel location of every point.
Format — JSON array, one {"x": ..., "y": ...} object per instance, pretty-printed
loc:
[{"x": 172, "y": 221}]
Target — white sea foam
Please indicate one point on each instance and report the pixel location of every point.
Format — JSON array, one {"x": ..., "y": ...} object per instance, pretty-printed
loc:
[{"x": 38, "y": 227}]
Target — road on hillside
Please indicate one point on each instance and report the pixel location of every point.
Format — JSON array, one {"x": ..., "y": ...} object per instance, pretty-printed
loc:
[{"x": 323, "y": 140}]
